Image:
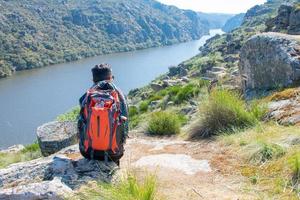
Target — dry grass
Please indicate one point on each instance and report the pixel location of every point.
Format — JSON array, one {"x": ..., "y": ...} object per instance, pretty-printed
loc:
[
  {"x": 285, "y": 94},
  {"x": 268, "y": 159}
]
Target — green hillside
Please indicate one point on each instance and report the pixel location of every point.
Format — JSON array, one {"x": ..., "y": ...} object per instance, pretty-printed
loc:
[{"x": 37, "y": 33}]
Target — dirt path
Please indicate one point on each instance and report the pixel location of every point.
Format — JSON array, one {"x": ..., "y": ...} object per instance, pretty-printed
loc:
[{"x": 186, "y": 170}]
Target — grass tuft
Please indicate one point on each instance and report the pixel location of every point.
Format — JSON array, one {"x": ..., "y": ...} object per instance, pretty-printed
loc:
[
  {"x": 129, "y": 188},
  {"x": 224, "y": 111},
  {"x": 266, "y": 152}
]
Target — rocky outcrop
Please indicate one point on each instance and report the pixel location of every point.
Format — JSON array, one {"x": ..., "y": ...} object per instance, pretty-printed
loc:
[
  {"x": 286, "y": 111},
  {"x": 52, "y": 177},
  {"x": 55, "y": 136},
  {"x": 270, "y": 60},
  {"x": 287, "y": 20}
]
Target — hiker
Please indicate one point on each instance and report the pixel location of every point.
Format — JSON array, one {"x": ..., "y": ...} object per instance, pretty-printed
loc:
[{"x": 103, "y": 120}]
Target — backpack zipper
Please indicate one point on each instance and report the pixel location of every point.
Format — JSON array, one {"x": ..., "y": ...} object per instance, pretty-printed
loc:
[{"x": 98, "y": 128}]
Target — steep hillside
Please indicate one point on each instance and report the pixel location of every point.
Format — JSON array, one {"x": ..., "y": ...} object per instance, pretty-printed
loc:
[
  {"x": 39, "y": 33},
  {"x": 215, "y": 20},
  {"x": 233, "y": 22}
]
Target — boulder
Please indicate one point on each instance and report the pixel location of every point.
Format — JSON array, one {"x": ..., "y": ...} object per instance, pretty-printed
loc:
[
  {"x": 55, "y": 136},
  {"x": 270, "y": 60},
  {"x": 156, "y": 87}
]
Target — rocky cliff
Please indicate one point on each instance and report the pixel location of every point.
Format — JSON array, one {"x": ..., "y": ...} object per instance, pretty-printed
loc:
[{"x": 287, "y": 20}]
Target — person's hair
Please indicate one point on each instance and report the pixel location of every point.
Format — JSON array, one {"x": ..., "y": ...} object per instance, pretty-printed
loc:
[{"x": 101, "y": 72}]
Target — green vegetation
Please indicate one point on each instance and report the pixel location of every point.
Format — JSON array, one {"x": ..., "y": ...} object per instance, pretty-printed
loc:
[
  {"x": 71, "y": 115},
  {"x": 129, "y": 188},
  {"x": 164, "y": 123},
  {"x": 225, "y": 111},
  {"x": 30, "y": 152},
  {"x": 37, "y": 33}
]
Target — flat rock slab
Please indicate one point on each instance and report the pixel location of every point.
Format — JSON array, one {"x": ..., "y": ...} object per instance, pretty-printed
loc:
[
  {"x": 181, "y": 162},
  {"x": 73, "y": 172},
  {"x": 54, "y": 136},
  {"x": 49, "y": 190}
]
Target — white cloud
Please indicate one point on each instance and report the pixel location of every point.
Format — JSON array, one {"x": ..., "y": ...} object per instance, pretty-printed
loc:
[{"x": 219, "y": 6}]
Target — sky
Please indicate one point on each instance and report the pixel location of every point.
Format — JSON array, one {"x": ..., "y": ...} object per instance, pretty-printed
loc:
[{"x": 215, "y": 6}]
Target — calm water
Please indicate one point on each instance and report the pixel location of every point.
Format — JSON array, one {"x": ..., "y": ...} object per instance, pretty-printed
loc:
[{"x": 31, "y": 98}]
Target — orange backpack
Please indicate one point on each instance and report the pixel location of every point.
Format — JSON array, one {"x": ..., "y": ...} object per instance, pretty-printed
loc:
[{"x": 102, "y": 116}]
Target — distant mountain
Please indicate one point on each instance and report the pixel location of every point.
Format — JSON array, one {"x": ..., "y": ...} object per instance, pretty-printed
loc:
[
  {"x": 233, "y": 22},
  {"x": 215, "y": 20},
  {"x": 37, "y": 33}
]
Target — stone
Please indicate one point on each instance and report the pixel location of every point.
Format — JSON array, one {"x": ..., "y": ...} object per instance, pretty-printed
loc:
[
  {"x": 156, "y": 87},
  {"x": 269, "y": 60},
  {"x": 172, "y": 82},
  {"x": 55, "y": 136},
  {"x": 196, "y": 74},
  {"x": 188, "y": 110},
  {"x": 51, "y": 190},
  {"x": 13, "y": 149},
  {"x": 68, "y": 165},
  {"x": 154, "y": 104},
  {"x": 185, "y": 79},
  {"x": 170, "y": 103},
  {"x": 218, "y": 69}
]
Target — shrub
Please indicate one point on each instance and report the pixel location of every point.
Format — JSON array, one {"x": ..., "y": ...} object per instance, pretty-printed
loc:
[
  {"x": 186, "y": 92},
  {"x": 133, "y": 111},
  {"x": 143, "y": 107},
  {"x": 163, "y": 123},
  {"x": 224, "y": 111},
  {"x": 70, "y": 115}
]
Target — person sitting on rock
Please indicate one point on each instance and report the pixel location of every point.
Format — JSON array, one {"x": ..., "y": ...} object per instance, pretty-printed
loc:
[{"x": 103, "y": 120}]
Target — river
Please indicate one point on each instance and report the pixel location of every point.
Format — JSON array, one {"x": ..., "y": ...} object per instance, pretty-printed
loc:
[{"x": 31, "y": 98}]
